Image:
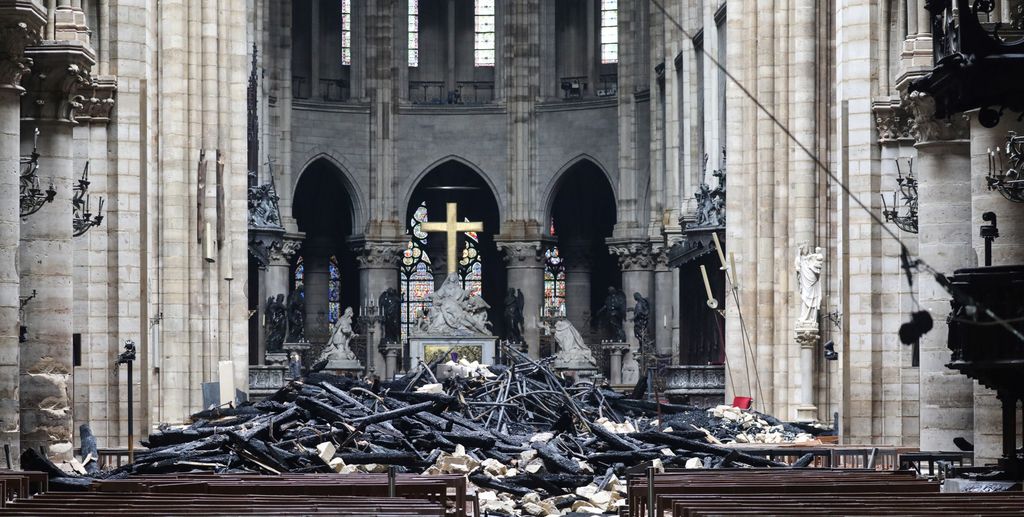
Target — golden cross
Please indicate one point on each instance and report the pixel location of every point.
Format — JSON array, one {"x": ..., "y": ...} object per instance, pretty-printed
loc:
[{"x": 453, "y": 228}]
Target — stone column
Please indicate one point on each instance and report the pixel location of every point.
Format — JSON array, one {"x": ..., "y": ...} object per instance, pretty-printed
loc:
[
  {"x": 524, "y": 262},
  {"x": 277, "y": 279},
  {"x": 578, "y": 264},
  {"x": 637, "y": 264},
  {"x": 92, "y": 277},
  {"x": 60, "y": 69},
  {"x": 315, "y": 277},
  {"x": 379, "y": 264},
  {"x": 943, "y": 169},
  {"x": 663, "y": 303},
  {"x": 1006, "y": 250},
  {"x": 19, "y": 29}
]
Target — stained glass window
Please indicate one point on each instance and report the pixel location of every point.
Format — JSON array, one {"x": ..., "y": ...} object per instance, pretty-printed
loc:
[
  {"x": 554, "y": 283},
  {"x": 333, "y": 287},
  {"x": 483, "y": 48},
  {"x": 414, "y": 33},
  {"x": 334, "y": 292},
  {"x": 609, "y": 31},
  {"x": 346, "y": 32},
  {"x": 417, "y": 279},
  {"x": 469, "y": 265}
]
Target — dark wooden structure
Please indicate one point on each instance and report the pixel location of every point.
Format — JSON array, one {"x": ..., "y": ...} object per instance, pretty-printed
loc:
[
  {"x": 977, "y": 64},
  {"x": 987, "y": 351}
]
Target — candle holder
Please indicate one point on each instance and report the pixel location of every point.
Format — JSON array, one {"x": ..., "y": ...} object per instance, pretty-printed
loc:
[
  {"x": 32, "y": 197},
  {"x": 83, "y": 218},
  {"x": 906, "y": 219},
  {"x": 1008, "y": 180}
]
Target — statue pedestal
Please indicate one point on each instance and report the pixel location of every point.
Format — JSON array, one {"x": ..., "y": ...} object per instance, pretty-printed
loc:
[
  {"x": 470, "y": 348},
  {"x": 580, "y": 371},
  {"x": 277, "y": 359},
  {"x": 342, "y": 367}
]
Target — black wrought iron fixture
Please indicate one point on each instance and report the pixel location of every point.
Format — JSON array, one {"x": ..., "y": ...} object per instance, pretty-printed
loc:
[
  {"x": 1006, "y": 178},
  {"x": 32, "y": 197},
  {"x": 84, "y": 220},
  {"x": 906, "y": 218}
]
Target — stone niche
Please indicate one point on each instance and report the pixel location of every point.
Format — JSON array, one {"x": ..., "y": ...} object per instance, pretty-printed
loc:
[{"x": 697, "y": 385}]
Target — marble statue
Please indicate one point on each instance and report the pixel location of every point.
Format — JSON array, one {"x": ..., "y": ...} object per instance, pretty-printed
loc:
[
  {"x": 808, "y": 268},
  {"x": 641, "y": 318},
  {"x": 337, "y": 349},
  {"x": 514, "y": 304},
  {"x": 614, "y": 311},
  {"x": 275, "y": 322},
  {"x": 453, "y": 312},
  {"x": 572, "y": 352},
  {"x": 391, "y": 310},
  {"x": 296, "y": 317}
]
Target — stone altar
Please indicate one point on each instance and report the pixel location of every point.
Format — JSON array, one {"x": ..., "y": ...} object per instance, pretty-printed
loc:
[
  {"x": 454, "y": 319},
  {"x": 698, "y": 385}
]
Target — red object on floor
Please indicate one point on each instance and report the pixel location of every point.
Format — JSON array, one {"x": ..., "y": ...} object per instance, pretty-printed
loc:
[{"x": 742, "y": 402}]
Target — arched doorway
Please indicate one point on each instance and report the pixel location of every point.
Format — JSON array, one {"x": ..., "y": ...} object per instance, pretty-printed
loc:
[
  {"x": 324, "y": 271},
  {"x": 479, "y": 267},
  {"x": 582, "y": 217}
]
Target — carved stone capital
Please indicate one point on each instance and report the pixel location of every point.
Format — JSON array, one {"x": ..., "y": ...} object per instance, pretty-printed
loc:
[
  {"x": 59, "y": 78},
  {"x": 521, "y": 253},
  {"x": 286, "y": 251},
  {"x": 633, "y": 255},
  {"x": 97, "y": 105},
  {"x": 807, "y": 335},
  {"x": 894, "y": 123},
  {"x": 927, "y": 128},
  {"x": 18, "y": 30},
  {"x": 378, "y": 255}
]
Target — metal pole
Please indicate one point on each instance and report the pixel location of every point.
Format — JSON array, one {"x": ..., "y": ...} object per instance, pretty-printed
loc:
[
  {"x": 650, "y": 492},
  {"x": 131, "y": 434},
  {"x": 392, "y": 474}
]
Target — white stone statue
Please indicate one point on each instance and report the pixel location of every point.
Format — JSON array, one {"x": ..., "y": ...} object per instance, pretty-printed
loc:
[
  {"x": 337, "y": 349},
  {"x": 453, "y": 312},
  {"x": 572, "y": 352},
  {"x": 808, "y": 268}
]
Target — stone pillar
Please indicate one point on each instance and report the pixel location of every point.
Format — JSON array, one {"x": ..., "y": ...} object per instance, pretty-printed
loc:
[
  {"x": 92, "y": 276},
  {"x": 1006, "y": 250},
  {"x": 19, "y": 29},
  {"x": 637, "y": 264},
  {"x": 277, "y": 279},
  {"x": 578, "y": 264},
  {"x": 316, "y": 274},
  {"x": 524, "y": 262},
  {"x": 314, "y": 49},
  {"x": 379, "y": 264},
  {"x": 60, "y": 68},
  {"x": 943, "y": 169},
  {"x": 663, "y": 304}
]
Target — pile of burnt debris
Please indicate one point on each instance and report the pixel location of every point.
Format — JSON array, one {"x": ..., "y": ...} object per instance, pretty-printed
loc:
[{"x": 531, "y": 443}]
